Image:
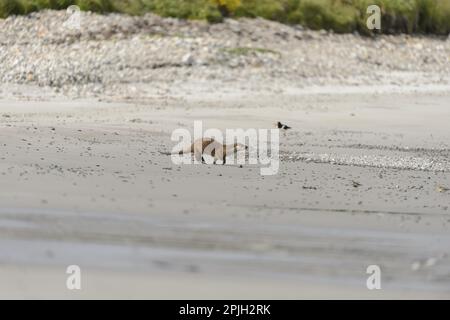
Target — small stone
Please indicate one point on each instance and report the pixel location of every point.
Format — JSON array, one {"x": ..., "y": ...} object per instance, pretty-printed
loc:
[
  {"x": 188, "y": 59},
  {"x": 416, "y": 266},
  {"x": 430, "y": 262}
]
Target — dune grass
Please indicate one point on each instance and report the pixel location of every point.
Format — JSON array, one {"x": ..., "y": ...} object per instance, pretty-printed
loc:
[{"x": 406, "y": 16}]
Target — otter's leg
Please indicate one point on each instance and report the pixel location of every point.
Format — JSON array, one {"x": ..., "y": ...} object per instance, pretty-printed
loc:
[
  {"x": 199, "y": 157},
  {"x": 223, "y": 160}
]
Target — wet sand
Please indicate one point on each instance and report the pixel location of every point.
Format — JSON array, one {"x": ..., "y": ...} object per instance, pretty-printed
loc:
[{"x": 360, "y": 183}]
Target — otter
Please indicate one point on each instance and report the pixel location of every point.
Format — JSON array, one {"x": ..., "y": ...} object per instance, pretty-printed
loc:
[{"x": 213, "y": 148}]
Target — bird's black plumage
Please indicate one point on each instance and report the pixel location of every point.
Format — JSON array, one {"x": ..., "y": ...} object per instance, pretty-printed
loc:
[{"x": 282, "y": 126}]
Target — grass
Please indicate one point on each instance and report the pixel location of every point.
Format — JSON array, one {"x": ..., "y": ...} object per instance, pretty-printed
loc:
[
  {"x": 405, "y": 16},
  {"x": 244, "y": 51}
]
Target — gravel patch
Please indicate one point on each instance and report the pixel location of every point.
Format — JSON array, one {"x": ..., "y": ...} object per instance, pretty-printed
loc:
[{"x": 112, "y": 51}]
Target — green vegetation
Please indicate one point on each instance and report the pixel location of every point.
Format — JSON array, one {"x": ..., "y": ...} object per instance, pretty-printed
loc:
[
  {"x": 243, "y": 51},
  {"x": 407, "y": 16}
]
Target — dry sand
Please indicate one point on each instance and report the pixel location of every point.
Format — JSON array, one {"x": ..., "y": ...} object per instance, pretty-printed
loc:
[{"x": 84, "y": 182}]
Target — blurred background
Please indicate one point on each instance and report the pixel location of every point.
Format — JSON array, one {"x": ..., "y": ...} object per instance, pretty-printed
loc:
[{"x": 407, "y": 16}]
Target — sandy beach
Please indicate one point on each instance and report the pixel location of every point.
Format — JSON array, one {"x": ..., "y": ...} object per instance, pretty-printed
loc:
[
  {"x": 85, "y": 183},
  {"x": 363, "y": 180}
]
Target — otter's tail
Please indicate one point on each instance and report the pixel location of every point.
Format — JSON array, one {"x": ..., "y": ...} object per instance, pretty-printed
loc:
[
  {"x": 185, "y": 151},
  {"x": 172, "y": 153}
]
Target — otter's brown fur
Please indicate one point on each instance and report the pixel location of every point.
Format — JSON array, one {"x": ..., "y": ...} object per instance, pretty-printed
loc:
[{"x": 211, "y": 147}]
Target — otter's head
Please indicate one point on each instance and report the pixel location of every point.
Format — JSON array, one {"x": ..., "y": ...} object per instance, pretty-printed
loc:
[{"x": 239, "y": 147}]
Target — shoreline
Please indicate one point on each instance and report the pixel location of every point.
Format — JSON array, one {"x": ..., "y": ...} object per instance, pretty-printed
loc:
[{"x": 75, "y": 196}]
